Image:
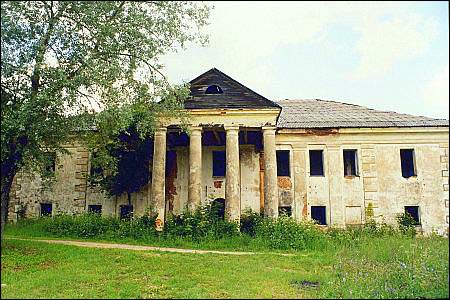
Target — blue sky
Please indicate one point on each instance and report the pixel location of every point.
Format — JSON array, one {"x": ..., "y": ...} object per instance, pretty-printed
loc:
[{"x": 388, "y": 56}]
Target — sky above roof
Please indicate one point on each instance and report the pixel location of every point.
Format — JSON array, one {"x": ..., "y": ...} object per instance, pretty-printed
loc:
[{"x": 389, "y": 56}]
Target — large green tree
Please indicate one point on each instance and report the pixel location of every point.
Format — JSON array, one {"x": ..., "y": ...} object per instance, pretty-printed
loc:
[{"x": 63, "y": 61}]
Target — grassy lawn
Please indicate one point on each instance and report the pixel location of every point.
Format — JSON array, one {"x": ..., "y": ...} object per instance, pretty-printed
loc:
[{"x": 369, "y": 268}]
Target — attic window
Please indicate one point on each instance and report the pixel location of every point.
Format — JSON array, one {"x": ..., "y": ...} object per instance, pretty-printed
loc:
[{"x": 214, "y": 89}]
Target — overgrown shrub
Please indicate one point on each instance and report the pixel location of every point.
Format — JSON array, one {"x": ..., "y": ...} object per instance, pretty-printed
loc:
[
  {"x": 287, "y": 233},
  {"x": 406, "y": 224},
  {"x": 249, "y": 221},
  {"x": 203, "y": 223}
]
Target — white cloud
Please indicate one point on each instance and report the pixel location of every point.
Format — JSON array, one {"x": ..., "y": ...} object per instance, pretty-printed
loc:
[
  {"x": 436, "y": 94},
  {"x": 384, "y": 43}
]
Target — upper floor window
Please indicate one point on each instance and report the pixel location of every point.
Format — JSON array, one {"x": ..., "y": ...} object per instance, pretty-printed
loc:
[
  {"x": 283, "y": 168},
  {"x": 50, "y": 162},
  {"x": 219, "y": 163},
  {"x": 408, "y": 162},
  {"x": 316, "y": 162},
  {"x": 214, "y": 89},
  {"x": 350, "y": 163}
]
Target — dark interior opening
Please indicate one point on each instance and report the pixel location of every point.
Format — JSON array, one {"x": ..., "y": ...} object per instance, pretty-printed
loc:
[
  {"x": 413, "y": 211},
  {"x": 316, "y": 162},
  {"x": 285, "y": 211},
  {"x": 318, "y": 214},
  {"x": 219, "y": 163},
  {"x": 218, "y": 208},
  {"x": 96, "y": 209},
  {"x": 283, "y": 167},
  {"x": 126, "y": 212},
  {"x": 46, "y": 209},
  {"x": 214, "y": 89},
  {"x": 350, "y": 163},
  {"x": 407, "y": 158}
]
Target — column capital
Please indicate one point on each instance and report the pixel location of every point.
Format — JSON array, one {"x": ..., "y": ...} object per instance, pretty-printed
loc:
[
  {"x": 161, "y": 130},
  {"x": 231, "y": 127},
  {"x": 268, "y": 129},
  {"x": 196, "y": 128}
]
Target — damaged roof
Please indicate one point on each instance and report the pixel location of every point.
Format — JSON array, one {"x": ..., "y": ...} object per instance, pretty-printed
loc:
[
  {"x": 317, "y": 113},
  {"x": 232, "y": 94}
]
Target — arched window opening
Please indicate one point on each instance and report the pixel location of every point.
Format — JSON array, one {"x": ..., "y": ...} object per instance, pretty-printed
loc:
[
  {"x": 214, "y": 89},
  {"x": 218, "y": 208}
]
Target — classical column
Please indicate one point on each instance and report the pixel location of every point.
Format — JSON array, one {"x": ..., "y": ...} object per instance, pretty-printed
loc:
[
  {"x": 335, "y": 175},
  {"x": 232, "y": 189},
  {"x": 195, "y": 168},
  {"x": 270, "y": 173},
  {"x": 159, "y": 178},
  {"x": 300, "y": 204}
]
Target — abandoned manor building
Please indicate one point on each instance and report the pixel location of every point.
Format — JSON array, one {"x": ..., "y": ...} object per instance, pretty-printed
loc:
[{"x": 336, "y": 163}]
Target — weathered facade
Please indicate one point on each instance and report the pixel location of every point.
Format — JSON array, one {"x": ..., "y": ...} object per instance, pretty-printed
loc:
[{"x": 333, "y": 162}]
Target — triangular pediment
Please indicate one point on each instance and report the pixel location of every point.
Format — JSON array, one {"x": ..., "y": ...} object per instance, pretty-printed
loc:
[{"x": 232, "y": 93}]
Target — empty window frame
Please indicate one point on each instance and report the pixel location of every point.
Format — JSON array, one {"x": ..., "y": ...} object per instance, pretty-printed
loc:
[
  {"x": 283, "y": 166},
  {"x": 285, "y": 211},
  {"x": 50, "y": 162},
  {"x": 413, "y": 211},
  {"x": 126, "y": 212},
  {"x": 408, "y": 163},
  {"x": 96, "y": 209},
  {"x": 316, "y": 163},
  {"x": 46, "y": 209},
  {"x": 318, "y": 214},
  {"x": 95, "y": 171},
  {"x": 219, "y": 163},
  {"x": 351, "y": 163}
]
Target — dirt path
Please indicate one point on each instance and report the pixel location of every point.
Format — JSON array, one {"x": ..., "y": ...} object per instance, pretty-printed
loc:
[{"x": 140, "y": 248}]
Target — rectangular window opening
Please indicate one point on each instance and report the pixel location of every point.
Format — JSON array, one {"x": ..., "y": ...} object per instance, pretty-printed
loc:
[
  {"x": 50, "y": 163},
  {"x": 219, "y": 163},
  {"x": 96, "y": 209},
  {"x": 46, "y": 209},
  {"x": 318, "y": 214},
  {"x": 285, "y": 211},
  {"x": 283, "y": 166},
  {"x": 413, "y": 211},
  {"x": 126, "y": 212},
  {"x": 350, "y": 163},
  {"x": 95, "y": 170},
  {"x": 316, "y": 162},
  {"x": 408, "y": 163}
]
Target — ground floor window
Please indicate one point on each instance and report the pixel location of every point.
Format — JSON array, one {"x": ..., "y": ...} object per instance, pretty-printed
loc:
[
  {"x": 318, "y": 214},
  {"x": 285, "y": 211},
  {"x": 126, "y": 212},
  {"x": 46, "y": 209},
  {"x": 218, "y": 208},
  {"x": 413, "y": 211},
  {"x": 97, "y": 209}
]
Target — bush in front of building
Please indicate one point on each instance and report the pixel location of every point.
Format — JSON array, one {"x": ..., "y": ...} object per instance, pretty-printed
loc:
[{"x": 203, "y": 223}]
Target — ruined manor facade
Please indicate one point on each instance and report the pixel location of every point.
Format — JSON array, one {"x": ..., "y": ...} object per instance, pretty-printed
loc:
[{"x": 338, "y": 164}]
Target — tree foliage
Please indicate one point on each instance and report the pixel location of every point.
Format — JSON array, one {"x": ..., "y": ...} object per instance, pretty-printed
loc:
[{"x": 63, "y": 61}]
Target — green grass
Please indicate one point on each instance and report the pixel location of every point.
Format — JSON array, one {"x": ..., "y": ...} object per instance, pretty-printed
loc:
[{"x": 368, "y": 267}]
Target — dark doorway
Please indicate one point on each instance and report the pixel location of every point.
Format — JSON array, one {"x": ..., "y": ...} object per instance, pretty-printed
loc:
[{"x": 218, "y": 209}]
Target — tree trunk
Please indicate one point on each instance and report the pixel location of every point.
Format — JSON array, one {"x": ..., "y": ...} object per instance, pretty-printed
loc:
[{"x": 9, "y": 170}]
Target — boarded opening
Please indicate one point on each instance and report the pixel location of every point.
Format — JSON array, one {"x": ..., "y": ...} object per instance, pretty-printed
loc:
[
  {"x": 350, "y": 163},
  {"x": 46, "y": 209},
  {"x": 408, "y": 163},
  {"x": 219, "y": 163},
  {"x": 413, "y": 211},
  {"x": 283, "y": 167},
  {"x": 316, "y": 162},
  {"x": 218, "y": 208},
  {"x": 95, "y": 209},
  {"x": 126, "y": 212},
  {"x": 318, "y": 214},
  {"x": 285, "y": 211}
]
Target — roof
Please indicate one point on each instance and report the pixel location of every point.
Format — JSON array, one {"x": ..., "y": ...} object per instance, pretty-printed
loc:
[
  {"x": 235, "y": 94},
  {"x": 317, "y": 113}
]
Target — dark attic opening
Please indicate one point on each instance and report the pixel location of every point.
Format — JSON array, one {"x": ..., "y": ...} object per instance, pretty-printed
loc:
[{"x": 214, "y": 89}]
